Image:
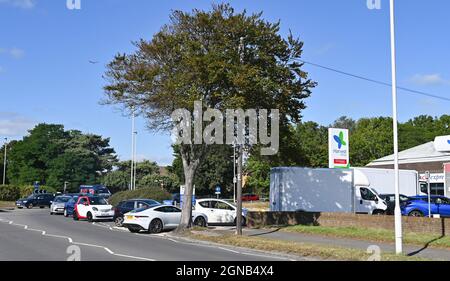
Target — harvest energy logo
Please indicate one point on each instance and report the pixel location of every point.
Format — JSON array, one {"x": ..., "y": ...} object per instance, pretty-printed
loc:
[
  {"x": 338, "y": 148},
  {"x": 340, "y": 140}
]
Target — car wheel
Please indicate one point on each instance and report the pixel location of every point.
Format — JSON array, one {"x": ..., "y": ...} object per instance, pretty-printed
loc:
[
  {"x": 155, "y": 226},
  {"x": 30, "y": 206},
  {"x": 51, "y": 213},
  {"x": 75, "y": 216},
  {"x": 118, "y": 221},
  {"x": 200, "y": 222},
  {"x": 89, "y": 217},
  {"x": 415, "y": 213}
]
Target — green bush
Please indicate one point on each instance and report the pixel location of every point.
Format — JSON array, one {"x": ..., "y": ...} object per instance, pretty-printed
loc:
[
  {"x": 9, "y": 193},
  {"x": 154, "y": 193}
]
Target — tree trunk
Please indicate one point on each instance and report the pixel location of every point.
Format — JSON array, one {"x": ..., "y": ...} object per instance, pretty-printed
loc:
[{"x": 190, "y": 164}]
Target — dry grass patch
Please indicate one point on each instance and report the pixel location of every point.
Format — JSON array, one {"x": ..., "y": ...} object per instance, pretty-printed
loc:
[{"x": 299, "y": 249}]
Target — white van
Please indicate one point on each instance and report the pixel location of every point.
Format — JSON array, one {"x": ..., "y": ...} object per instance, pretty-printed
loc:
[{"x": 323, "y": 190}]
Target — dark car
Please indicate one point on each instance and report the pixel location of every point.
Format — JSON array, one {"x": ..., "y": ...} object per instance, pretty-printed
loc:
[
  {"x": 129, "y": 205},
  {"x": 390, "y": 201},
  {"x": 250, "y": 197},
  {"x": 35, "y": 200}
]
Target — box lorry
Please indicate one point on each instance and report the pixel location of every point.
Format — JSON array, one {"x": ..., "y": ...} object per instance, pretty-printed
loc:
[
  {"x": 323, "y": 190},
  {"x": 97, "y": 189},
  {"x": 382, "y": 180}
]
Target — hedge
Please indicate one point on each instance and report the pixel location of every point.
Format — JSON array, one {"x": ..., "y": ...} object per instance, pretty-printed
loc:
[
  {"x": 14, "y": 192},
  {"x": 154, "y": 193},
  {"x": 9, "y": 193}
]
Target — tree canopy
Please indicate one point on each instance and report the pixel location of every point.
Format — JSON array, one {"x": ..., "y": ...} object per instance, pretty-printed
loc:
[{"x": 50, "y": 155}]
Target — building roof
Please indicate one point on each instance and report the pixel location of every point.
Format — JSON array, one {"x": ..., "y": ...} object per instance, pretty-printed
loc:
[{"x": 420, "y": 154}]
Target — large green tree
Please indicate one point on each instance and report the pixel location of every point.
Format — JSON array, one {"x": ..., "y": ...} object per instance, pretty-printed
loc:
[
  {"x": 51, "y": 156},
  {"x": 196, "y": 57}
]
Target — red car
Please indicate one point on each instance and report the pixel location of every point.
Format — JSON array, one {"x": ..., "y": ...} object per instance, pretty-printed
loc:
[{"x": 250, "y": 197}]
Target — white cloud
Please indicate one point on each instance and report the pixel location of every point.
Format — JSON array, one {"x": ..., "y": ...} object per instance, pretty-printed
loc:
[
  {"x": 15, "y": 53},
  {"x": 429, "y": 79},
  {"x": 23, "y": 4},
  {"x": 13, "y": 124}
]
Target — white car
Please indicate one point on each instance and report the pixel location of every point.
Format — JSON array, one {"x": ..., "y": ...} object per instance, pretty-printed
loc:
[
  {"x": 158, "y": 218},
  {"x": 57, "y": 206},
  {"x": 219, "y": 211},
  {"x": 92, "y": 208}
]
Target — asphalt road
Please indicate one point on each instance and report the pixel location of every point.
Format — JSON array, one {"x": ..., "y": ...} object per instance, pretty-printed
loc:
[{"x": 34, "y": 235}]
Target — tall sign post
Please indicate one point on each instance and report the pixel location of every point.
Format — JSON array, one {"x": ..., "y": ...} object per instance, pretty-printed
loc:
[
  {"x": 427, "y": 175},
  {"x": 338, "y": 148}
]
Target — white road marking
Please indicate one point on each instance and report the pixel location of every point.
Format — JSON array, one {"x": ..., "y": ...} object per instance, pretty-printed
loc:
[{"x": 43, "y": 232}]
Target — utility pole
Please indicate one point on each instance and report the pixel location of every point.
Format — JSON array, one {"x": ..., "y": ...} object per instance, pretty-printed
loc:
[
  {"x": 135, "y": 161},
  {"x": 234, "y": 172},
  {"x": 4, "y": 162},
  {"x": 65, "y": 187},
  {"x": 397, "y": 211},
  {"x": 239, "y": 160},
  {"x": 132, "y": 148}
]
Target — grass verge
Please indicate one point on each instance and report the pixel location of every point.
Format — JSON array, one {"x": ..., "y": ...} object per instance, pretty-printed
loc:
[
  {"x": 372, "y": 234},
  {"x": 257, "y": 206},
  {"x": 300, "y": 249},
  {"x": 7, "y": 204}
]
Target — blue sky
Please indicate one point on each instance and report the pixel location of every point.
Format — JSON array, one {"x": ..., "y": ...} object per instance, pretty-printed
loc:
[{"x": 45, "y": 48}]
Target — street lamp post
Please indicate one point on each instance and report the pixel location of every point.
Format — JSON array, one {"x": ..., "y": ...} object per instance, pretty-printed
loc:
[
  {"x": 397, "y": 212},
  {"x": 4, "y": 162},
  {"x": 132, "y": 149},
  {"x": 239, "y": 161}
]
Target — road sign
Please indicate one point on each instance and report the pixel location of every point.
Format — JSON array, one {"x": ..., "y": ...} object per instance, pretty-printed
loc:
[{"x": 218, "y": 190}]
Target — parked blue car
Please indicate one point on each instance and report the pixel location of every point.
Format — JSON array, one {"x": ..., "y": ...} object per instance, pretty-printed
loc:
[
  {"x": 70, "y": 205},
  {"x": 417, "y": 206}
]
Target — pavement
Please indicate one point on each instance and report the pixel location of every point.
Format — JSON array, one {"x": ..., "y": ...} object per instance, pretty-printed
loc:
[
  {"x": 35, "y": 235},
  {"x": 412, "y": 250}
]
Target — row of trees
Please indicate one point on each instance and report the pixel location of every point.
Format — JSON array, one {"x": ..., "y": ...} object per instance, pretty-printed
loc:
[
  {"x": 51, "y": 156},
  {"x": 306, "y": 144},
  {"x": 147, "y": 175}
]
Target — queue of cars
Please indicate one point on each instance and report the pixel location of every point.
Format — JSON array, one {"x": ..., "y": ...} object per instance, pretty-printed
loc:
[{"x": 134, "y": 214}]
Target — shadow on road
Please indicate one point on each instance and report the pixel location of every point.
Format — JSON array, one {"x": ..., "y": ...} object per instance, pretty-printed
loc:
[{"x": 431, "y": 241}]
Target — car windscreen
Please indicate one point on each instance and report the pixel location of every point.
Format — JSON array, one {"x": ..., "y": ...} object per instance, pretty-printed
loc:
[
  {"x": 97, "y": 201},
  {"x": 102, "y": 190},
  {"x": 143, "y": 209},
  {"x": 62, "y": 199},
  {"x": 151, "y": 202}
]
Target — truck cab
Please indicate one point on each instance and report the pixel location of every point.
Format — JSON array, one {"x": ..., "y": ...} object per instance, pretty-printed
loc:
[{"x": 367, "y": 199}]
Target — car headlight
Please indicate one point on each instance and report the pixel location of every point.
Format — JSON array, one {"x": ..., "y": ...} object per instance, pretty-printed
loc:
[
  {"x": 95, "y": 209},
  {"x": 24, "y": 201}
]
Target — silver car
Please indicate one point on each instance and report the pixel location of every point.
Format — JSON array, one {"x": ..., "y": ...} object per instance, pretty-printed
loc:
[{"x": 57, "y": 206}]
